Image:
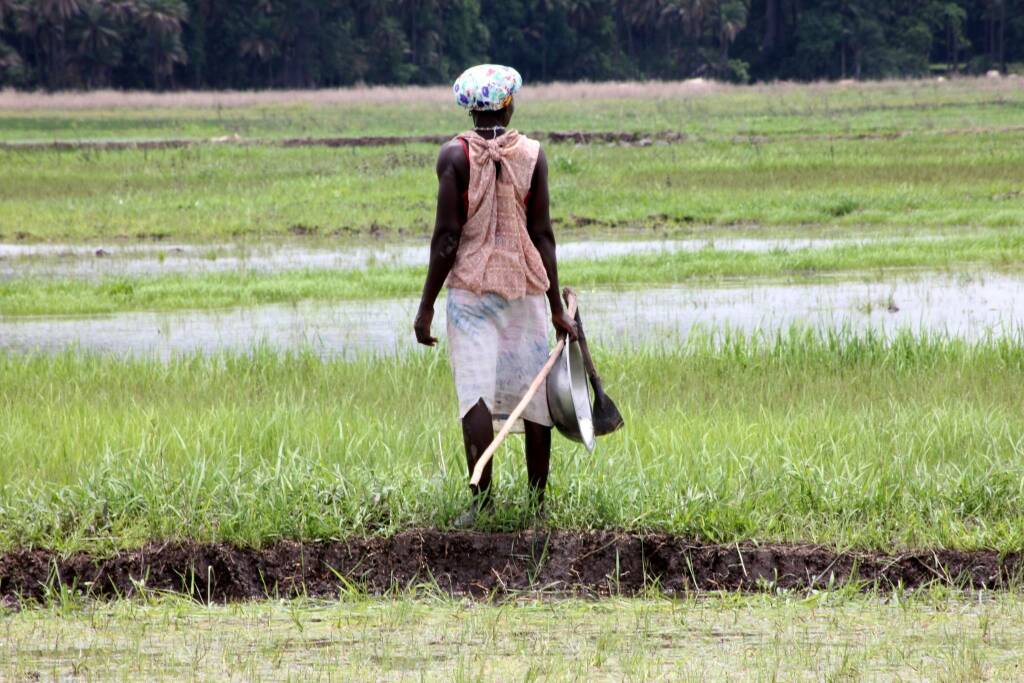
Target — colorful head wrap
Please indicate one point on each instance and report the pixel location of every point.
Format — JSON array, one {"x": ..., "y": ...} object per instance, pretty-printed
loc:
[{"x": 487, "y": 87}]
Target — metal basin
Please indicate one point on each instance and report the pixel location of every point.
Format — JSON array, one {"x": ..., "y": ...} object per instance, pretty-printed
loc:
[{"x": 569, "y": 397}]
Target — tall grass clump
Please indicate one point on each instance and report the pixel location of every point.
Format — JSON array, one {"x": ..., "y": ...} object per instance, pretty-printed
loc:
[{"x": 843, "y": 438}]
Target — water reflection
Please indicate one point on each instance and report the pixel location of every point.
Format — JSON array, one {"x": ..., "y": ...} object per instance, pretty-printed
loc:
[
  {"x": 55, "y": 260},
  {"x": 967, "y": 305}
]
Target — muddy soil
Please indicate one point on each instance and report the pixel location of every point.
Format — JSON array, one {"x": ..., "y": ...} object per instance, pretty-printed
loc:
[
  {"x": 623, "y": 138},
  {"x": 482, "y": 564},
  {"x": 572, "y": 136}
]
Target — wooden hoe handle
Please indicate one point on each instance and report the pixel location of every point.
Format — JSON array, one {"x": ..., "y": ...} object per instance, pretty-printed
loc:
[{"x": 478, "y": 470}]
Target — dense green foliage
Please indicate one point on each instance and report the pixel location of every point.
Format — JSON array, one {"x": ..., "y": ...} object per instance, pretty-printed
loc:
[
  {"x": 833, "y": 438},
  {"x": 308, "y": 43}
]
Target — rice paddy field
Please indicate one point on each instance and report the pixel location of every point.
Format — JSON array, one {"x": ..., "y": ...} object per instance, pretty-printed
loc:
[
  {"x": 223, "y": 457},
  {"x": 833, "y": 637}
]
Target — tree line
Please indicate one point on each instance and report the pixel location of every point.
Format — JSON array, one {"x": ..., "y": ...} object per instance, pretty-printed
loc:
[{"x": 236, "y": 44}]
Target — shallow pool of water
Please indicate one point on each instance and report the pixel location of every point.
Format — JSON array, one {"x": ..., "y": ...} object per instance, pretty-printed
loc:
[
  {"x": 91, "y": 261},
  {"x": 967, "y": 305}
]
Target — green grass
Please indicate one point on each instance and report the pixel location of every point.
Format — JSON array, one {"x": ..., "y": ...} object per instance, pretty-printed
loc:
[
  {"x": 845, "y": 440},
  {"x": 237, "y": 193},
  {"x": 53, "y": 296},
  {"x": 823, "y": 637},
  {"x": 724, "y": 111}
]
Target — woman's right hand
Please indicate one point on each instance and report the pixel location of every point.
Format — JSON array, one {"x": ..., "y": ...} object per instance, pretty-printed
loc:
[
  {"x": 421, "y": 326},
  {"x": 564, "y": 325}
]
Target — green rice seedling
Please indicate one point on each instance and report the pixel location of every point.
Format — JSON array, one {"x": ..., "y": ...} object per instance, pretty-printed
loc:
[
  {"x": 842, "y": 438},
  {"x": 250, "y": 193}
]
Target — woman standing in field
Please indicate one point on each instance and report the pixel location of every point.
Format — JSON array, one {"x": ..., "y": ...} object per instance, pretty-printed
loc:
[{"x": 494, "y": 244}]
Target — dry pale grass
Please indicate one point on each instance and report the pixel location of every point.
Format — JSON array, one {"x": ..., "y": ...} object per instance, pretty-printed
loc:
[{"x": 106, "y": 99}]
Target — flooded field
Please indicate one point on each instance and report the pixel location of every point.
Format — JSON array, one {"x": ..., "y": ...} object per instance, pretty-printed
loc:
[
  {"x": 967, "y": 305},
  {"x": 723, "y": 638},
  {"x": 98, "y": 260}
]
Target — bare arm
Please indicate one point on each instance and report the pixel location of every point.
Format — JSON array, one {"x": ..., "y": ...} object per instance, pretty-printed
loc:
[
  {"x": 445, "y": 242},
  {"x": 538, "y": 224}
]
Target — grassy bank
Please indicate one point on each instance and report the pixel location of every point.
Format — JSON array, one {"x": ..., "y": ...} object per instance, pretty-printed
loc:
[
  {"x": 702, "y": 109},
  {"x": 44, "y": 295},
  {"x": 842, "y": 440},
  {"x": 220, "y": 193},
  {"x": 824, "y": 637}
]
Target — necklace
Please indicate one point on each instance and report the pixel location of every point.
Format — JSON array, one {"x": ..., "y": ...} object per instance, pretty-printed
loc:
[{"x": 493, "y": 129}]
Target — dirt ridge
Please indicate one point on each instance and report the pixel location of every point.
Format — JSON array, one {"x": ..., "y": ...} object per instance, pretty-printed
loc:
[
  {"x": 579, "y": 137},
  {"x": 480, "y": 564},
  {"x": 623, "y": 138}
]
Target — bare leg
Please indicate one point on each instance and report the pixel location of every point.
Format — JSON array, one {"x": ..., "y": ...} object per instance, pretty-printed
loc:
[
  {"x": 538, "y": 458},
  {"x": 477, "y": 434}
]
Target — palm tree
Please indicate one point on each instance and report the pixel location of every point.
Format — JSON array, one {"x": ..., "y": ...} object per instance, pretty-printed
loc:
[
  {"x": 732, "y": 18},
  {"x": 28, "y": 22},
  {"x": 98, "y": 38},
  {"x": 11, "y": 62},
  {"x": 57, "y": 15},
  {"x": 643, "y": 13},
  {"x": 266, "y": 31},
  {"x": 59, "y": 11},
  {"x": 10, "y": 65},
  {"x": 122, "y": 11},
  {"x": 7, "y": 7},
  {"x": 161, "y": 17},
  {"x": 44, "y": 24},
  {"x": 161, "y": 22},
  {"x": 688, "y": 14},
  {"x": 260, "y": 51}
]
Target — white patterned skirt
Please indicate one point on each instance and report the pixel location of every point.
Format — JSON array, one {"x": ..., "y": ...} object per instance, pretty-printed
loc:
[{"x": 497, "y": 346}]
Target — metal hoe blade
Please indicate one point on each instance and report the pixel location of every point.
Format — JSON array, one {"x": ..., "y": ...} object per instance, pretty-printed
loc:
[{"x": 607, "y": 417}]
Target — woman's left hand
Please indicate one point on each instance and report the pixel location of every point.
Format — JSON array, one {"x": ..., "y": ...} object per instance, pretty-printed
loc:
[{"x": 564, "y": 325}]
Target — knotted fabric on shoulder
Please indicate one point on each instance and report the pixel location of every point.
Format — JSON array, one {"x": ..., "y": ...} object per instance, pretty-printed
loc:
[{"x": 495, "y": 251}]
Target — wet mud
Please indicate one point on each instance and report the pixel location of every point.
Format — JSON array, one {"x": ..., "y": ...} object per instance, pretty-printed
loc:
[
  {"x": 624, "y": 138},
  {"x": 580, "y": 137},
  {"x": 571, "y": 136},
  {"x": 484, "y": 564}
]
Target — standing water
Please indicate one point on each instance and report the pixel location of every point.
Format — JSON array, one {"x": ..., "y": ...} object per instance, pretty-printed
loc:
[
  {"x": 967, "y": 306},
  {"x": 55, "y": 260}
]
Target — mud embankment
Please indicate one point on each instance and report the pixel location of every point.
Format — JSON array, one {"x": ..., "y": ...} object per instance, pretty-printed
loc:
[
  {"x": 622, "y": 138},
  {"x": 579, "y": 137},
  {"x": 483, "y": 564}
]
